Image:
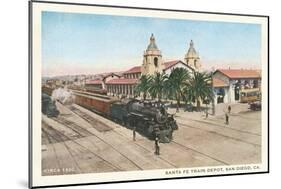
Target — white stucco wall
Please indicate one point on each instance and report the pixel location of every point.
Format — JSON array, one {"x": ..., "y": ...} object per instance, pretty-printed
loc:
[
  {"x": 229, "y": 90},
  {"x": 222, "y": 77},
  {"x": 110, "y": 78},
  {"x": 178, "y": 65}
]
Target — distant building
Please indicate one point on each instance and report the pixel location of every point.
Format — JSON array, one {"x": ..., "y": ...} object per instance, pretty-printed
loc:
[
  {"x": 53, "y": 83},
  {"x": 228, "y": 83},
  {"x": 99, "y": 82},
  {"x": 123, "y": 84}
]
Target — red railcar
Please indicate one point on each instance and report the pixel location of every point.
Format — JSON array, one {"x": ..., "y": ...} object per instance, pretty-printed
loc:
[
  {"x": 94, "y": 102},
  {"x": 97, "y": 91}
]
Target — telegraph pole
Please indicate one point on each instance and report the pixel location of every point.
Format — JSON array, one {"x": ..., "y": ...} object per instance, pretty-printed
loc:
[{"x": 213, "y": 94}]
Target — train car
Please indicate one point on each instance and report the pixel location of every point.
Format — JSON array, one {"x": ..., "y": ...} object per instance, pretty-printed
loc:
[
  {"x": 97, "y": 91},
  {"x": 94, "y": 102},
  {"x": 250, "y": 95}
]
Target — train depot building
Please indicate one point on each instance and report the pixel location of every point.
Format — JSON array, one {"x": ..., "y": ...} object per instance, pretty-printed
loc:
[
  {"x": 152, "y": 63},
  {"x": 230, "y": 84},
  {"x": 227, "y": 83}
]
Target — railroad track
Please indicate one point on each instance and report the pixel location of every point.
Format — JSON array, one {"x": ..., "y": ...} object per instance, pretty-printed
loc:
[
  {"x": 90, "y": 119},
  {"x": 51, "y": 135},
  {"x": 216, "y": 125},
  {"x": 86, "y": 116},
  {"x": 73, "y": 126},
  {"x": 101, "y": 127},
  {"x": 225, "y": 136},
  {"x": 180, "y": 145},
  {"x": 60, "y": 137},
  {"x": 168, "y": 162},
  {"x": 76, "y": 128},
  {"x": 204, "y": 154}
]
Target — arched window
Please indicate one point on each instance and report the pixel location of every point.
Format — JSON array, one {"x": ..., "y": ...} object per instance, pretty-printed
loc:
[{"x": 156, "y": 62}]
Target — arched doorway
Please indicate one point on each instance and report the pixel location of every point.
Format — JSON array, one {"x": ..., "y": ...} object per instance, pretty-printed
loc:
[{"x": 220, "y": 95}]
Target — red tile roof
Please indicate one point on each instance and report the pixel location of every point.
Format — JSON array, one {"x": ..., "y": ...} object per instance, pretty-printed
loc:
[
  {"x": 167, "y": 65},
  {"x": 239, "y": 73},
  {"x": 122, "y": 81},
  {"x": 94, "y": 81},
  {"x": 219, "y": 83},
  {"x": 135, "y": 69},
  {"x": 170, "y": 64}
]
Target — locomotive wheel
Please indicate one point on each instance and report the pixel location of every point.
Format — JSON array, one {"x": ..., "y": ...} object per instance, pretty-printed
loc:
[
  {"x": 125, "y": 122},
  {"x": 129, "y": 122}
]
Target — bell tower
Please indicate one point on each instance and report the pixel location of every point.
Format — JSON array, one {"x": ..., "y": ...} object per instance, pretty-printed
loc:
[
  {"x": 192, "y": 58},
  {"x": 152, "y": 59}
]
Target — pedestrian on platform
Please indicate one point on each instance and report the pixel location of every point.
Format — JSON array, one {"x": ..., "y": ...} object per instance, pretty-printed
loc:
[
  {"x": 207, "y": 113},
  {"x": 134, "y": 133},
  {"x": 229, "y": 109},
  {"x": 157, "y": 148},
  {"x": 226, "y": 118}
]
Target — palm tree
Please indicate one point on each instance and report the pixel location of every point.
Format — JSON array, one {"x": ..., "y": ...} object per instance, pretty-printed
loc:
[
  {"x": 199, "y": 88},
  {"x": 157, "y": 85},
  {"x": 176, "y": 84},
  {"x": 143, "y": 85}
]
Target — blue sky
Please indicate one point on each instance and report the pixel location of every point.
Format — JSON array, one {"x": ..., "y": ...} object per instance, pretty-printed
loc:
[{"x": 87, "y": 43}]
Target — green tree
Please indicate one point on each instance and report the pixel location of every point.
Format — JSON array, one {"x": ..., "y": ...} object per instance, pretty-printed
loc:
[
  {"x": 143, "y": 85},
  {"x": 199, "y": 88},
  {"x": 176, "y": 84},
  {"x": 157, "y": 85}
]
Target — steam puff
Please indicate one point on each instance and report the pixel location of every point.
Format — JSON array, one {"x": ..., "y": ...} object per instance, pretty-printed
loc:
[{"x": 63, "y": 95}]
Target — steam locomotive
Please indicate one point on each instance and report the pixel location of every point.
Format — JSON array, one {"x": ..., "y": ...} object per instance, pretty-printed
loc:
[
  {"x": 148, "y": 118},
  {"x": 48, "y": 106}
]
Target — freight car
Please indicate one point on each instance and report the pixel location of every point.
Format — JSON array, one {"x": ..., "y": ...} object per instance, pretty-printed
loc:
[
  {"x": 47, "y": 90},
  {"x": 97, "y": 91},
  {"x": 149, "y": 119},
  {"x": 48, "y": 106},
  {"x": 94, "y": 102},
  {"x": 88, "y": 89}
]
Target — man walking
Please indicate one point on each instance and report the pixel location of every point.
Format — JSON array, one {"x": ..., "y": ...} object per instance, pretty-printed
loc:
[
  {"x": 229, "y": 109},
  {"x": 157, "y": 148},
  {"x": 226, "y": 118},
  {"x": 134, "y": 133}
]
